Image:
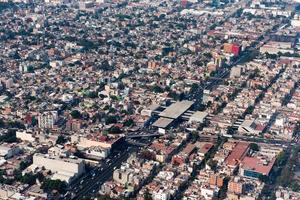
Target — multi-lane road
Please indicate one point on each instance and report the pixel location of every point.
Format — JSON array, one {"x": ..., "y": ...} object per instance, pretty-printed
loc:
[{"x": 88, "y": 185}]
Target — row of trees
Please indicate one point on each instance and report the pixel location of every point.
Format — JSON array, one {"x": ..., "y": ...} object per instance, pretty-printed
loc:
[{"x": 286, "y": 177}]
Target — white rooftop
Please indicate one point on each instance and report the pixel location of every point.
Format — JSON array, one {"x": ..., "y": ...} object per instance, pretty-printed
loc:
[{"x": 176, "y": 109}]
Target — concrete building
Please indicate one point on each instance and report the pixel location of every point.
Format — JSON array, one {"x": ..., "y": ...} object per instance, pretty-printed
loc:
[
  {"x": 198, "y": 117},
  {"x": 235, "y": 72},
  {"x": 47, "y": 119},
  {"x": 249, "y": 127},
  {"x": 8, "y": 150},
  {"x": 25, "y": 136},
  {"x": 63, "y": 169},
  {"x": 235, "y": 186}
]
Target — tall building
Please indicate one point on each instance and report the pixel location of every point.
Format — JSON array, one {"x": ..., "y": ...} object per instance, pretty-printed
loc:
[
  {"x": 47, "y": 119},
  {"x": 73, "y": 125}
]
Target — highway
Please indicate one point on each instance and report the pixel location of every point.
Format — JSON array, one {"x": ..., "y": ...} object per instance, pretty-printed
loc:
[{"x": 90, "y": 184}]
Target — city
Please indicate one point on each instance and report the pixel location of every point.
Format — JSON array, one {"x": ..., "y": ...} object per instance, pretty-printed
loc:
[{"x": 150, "y": 99}]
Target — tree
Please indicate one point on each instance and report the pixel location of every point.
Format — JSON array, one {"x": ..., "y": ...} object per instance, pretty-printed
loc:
[
  {"x": 230, "y": 130},
  {"x": 9, "y": 137},
  {"x": 128, "y": 122},
  {"x": 76, "y": 114},
  {"x": 194, "y": 87},
  {"x": 61, "y": 139},
  {"x": 115, "y": 130},
  {"x": 263, "y": 178},
  {"x": 249, "y": 110},
  {"x": 157, "y": 89},
  {"x": 49, "y": 185},
  {"x": 23, "y": 165},
  {"x": 92, "y": 94},
  {"x": 195, "y": 136},
  {"x": 295, "y": 186},
  {"x": 254, "y": 147},
  {"x": 147, "y": 195},
  {"x": 2, "y": 124},
  {"x": 29, "y": 179},
  {"x": 111, "y": 120},
  {"x": 213, "y": 164}
]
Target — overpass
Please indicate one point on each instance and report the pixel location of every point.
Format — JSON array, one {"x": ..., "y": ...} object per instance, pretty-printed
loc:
[{"x": 142, "y": 134}]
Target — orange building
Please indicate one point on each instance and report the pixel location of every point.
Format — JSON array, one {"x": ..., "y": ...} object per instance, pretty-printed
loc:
[
  {"x": 235, "y": 187},
  {"x": 216, "y": 180}
]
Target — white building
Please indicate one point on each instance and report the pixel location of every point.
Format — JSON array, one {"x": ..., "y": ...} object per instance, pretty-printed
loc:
[
  {"x": 161, "y": 195},
  {"x": 63, "y": 169},
  {"x": 97, "y": 152},
  {"x": 47, "y": 119},
  {"x": 25, "y": 136}
]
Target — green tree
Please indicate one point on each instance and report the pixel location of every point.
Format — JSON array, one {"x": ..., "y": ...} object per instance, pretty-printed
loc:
[
  {"x": 128, "y": 122},
  {"x": 9, "y": 137},
  {"x": 263, "y": 178},
  {"x": 61, "y": 139},
  {"x": 147, "y": 195},
  {"x": 254, "y": 147},
  {"x": 213, "y": 164},
  {"x": 111, "y": 119},
  {"x": 49, "y": 185},
  {"x": 92, "y": 94},
  {"x": 157, "y": 89},
  {"x": 76, "y": 114},
  {"x": 115, "y": 130},
  {"x": 29, "y": 179}
]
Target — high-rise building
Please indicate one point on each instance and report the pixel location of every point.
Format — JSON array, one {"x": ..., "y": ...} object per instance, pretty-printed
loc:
[{"x": 47, "y": 119}]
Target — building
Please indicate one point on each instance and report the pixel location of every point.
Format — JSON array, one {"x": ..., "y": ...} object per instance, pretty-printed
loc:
[
  {"x": 101, "y": 141},
  {"x": 249, "y": 127},
  {"x": 254, "y": 167},
  {"x": 198, "y": 117},
  {"x": 63, "y": 169},
  {"x": 235, "y": 72},
  {"x": 47, "y": 119},
  {"x": 216, "y": 180},
  {"x": 171, "y": 114},
  {"x": 236, "y": 186},
  {"x": 9, "y": 150},
  {"x": 25, "y": 136},
  {"x": 273, "y": 47},
  {"x": 237, "y": 155},
  {"x": 234, "y": 49},
  {"x": 97, "y": 152},
  {"x": 295, "y": 22},
  {"x": 73, "y": 125}
]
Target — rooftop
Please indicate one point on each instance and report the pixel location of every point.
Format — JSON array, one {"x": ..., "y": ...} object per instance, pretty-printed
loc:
[
  {"x": 176, "y": 109},
  {"x": 237, "y": 153},
  {"x": 163, "y": 122}
]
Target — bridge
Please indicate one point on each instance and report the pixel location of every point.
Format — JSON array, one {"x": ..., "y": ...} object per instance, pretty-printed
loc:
[{"x": 143, "y": 134}]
